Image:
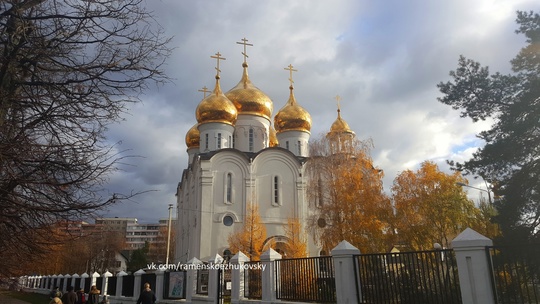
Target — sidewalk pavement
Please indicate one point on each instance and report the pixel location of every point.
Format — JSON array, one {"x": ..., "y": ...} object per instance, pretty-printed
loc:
[{"x": 9, "y": 300}]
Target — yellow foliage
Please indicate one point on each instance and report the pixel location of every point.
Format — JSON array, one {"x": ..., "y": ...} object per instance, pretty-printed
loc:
[
  {"x": 347, "y": 193},
  {"x": 296, "y": 246},
  {"x": 431, "y": 207},
  {"x": 250, "y": 239}
]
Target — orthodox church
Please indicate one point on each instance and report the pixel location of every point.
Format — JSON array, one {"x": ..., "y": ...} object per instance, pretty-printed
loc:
[{"x": 238, "y": 157}]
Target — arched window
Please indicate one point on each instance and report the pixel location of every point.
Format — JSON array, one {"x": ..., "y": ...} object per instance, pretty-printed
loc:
[
  {"x": 206, "y": 141},
  {"x": 219, "y": 140},
  {"x": 299, "y": 148},
  {"x": 228, "y": 190},
  {"x": 276, "y": 191}
]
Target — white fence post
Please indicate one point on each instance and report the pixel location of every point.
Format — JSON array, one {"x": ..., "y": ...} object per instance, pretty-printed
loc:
[
  {"x": 67, "y": 278},
  {"x": 137, "y": 283},
  {"x": 346, "y": 284},
  {"x": 191, "y": 284},
  {"x": 84, "y": 277},
  {"x": 74, "y": 278},
  {"x": 120, "y": 283},
  {"x": 473, "y": 267},
  {"x": 237, "y": 277},
  {"x": 105, "y": 283},
  {"x": 268, "y": 275},
  {"x": 160, "y": 281},
  {"x": 54, "y": 281},
  {"x": 213, "y": 278},
  {"x": 93, "y": 279}
]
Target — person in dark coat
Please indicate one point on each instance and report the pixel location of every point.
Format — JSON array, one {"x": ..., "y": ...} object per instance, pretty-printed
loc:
[
  {"x": 147, "y": 296},
  {"x": 81, "y": 298},
  {"x": 93, "y": 295},
  {"x": 70, "y": 297}
]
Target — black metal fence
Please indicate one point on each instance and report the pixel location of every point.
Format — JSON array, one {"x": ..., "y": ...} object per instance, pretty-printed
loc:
[
  {"x": 408, "y": 277},
  {"x": 127, "y": 285},
  {"x": 515, "y": 273},
  {"x": 99, "y": 283},
  {"x": 87, "y": 284},
  {"x": 111, "y": 286},
  {"x": 306, "y": 280},
  {"x": 149, "y": 278},
  {"x": 253, "y": 281},
  {"x": 225, "y": 287}
]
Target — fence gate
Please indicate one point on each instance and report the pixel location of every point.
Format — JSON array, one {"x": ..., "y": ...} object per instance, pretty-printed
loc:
[{"x": 224, "y": 286}]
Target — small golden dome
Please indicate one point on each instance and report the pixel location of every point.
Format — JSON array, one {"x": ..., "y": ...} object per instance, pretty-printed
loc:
[
  {"x": 216, "y": 107},
  {"x": 193, "y": 137},
  {"x": 292, "y": 117},
  {"x": 340, "y": 125},
  {"x": 248, "y": 99},
  {"x": 273, "y": 141}
]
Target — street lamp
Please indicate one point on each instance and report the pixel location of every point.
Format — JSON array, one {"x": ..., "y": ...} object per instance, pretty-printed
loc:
[
  {"x": 169, "y": 235},
  {"x": 479, "y": 189}
]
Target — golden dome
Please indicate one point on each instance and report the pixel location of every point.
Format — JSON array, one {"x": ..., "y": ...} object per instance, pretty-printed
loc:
[
  {"x": 292, "y": 117},
  {"x": 340, "y": 125},
  {"x": 273, "y": 141},
  {"x": 216, "y": 107},
  {"x": 248, "y": 99},
  {"x": 193, "y": 137}
]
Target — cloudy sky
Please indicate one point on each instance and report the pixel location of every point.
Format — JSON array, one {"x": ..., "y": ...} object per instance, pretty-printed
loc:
[{"x": 384, "y": 58}]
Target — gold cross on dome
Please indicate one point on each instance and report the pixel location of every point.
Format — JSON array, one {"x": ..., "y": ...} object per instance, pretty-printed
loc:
[
  {"x": 204, "y": 90},
  {"x": 290, "y": 69},
  {"x": 218, "y": 58},
  {"x": 338, "y": 99},
  {"x": 244, "y": 42}
]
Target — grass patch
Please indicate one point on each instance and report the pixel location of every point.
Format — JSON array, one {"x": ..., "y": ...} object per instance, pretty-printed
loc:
[{"x": 33, "y": 298}]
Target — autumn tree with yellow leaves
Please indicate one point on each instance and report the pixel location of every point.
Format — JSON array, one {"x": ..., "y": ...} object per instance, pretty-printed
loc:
[
  {"x": 296, "y": 246},
  {"x": 250, "y": 239},
  {"x": 345, "y": 191},
  {"x": 431, "y": 207}
]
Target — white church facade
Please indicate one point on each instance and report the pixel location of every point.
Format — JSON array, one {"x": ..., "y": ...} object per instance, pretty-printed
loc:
[{"x": 239, "y": 155}]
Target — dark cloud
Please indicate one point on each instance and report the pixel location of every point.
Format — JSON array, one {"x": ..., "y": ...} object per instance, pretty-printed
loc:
[{"x": 383, "y": 58}]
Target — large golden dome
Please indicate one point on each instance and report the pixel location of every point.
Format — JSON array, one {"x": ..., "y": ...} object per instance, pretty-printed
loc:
[
  {"x": 248, "y": 99},
  {"x": 273, "y": 141},
  {"x": 292, "y": 117},
  {"x": 193, "y": 137},
  {"x": 340, "y": 125},
  {"x": 216, "y": 107}
]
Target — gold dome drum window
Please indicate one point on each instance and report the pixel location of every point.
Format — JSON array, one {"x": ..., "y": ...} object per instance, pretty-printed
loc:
[{"x": 250, "y": 139}]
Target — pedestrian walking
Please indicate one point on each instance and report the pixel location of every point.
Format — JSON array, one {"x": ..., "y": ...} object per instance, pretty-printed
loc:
[{"x": 147, "y": 296}]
